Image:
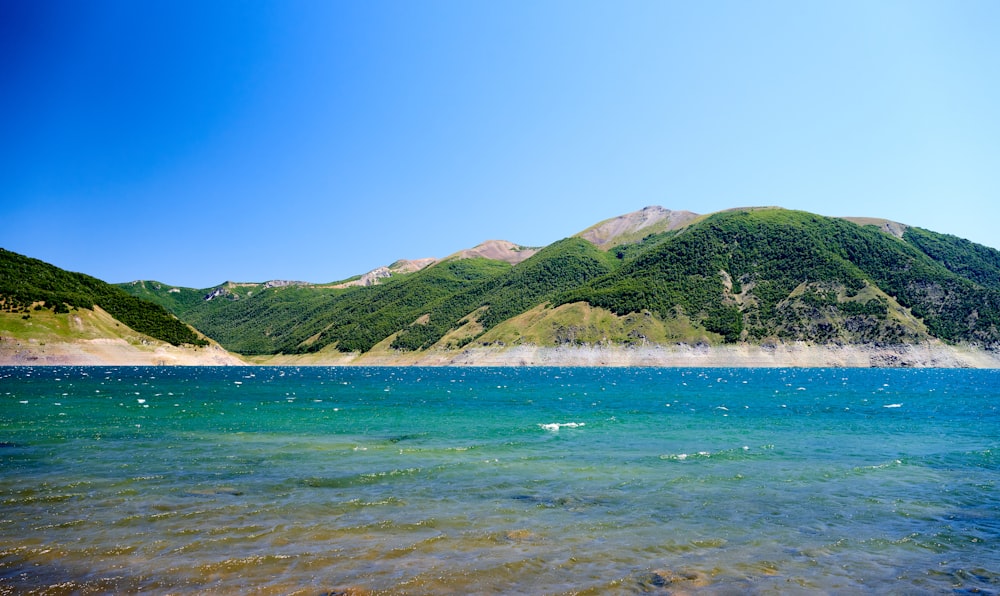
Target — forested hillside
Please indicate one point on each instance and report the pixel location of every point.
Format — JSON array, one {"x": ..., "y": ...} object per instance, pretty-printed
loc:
[
  {"x": 28, "y": 285},
  {"x": 975, "y": 262},
  {"x": 755, "y": 274},
  {"x": 746, "y": 275}
]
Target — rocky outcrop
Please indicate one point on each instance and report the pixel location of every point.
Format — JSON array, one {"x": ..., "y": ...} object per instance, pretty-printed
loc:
[
  {"x": 372, "y": 277},
  {"x": 377, "y": 274},
  {"x": 368, "y": 279},
  {"x": 220, "y": 292},
  {"x": 281, "y": 283}
]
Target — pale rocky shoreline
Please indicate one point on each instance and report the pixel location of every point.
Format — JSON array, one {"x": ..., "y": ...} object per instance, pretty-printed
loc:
[
  {"x": 793, "y": 355},
  {"x": 116, "y": 352},
  {"x": 929, "y": 355}
]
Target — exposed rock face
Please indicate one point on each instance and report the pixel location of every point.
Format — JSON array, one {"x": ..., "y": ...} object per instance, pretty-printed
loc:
[
  {"x": 623, "y": 228},
  {"x": 497, "y": 250},
  {"x": 280, "y": 283},
  {"x": 220, "y": 292},
  {"x": 377, "y": 274},
  {"x": 119, "y": 352},
  {"x": 371, "y": 278},
  {"x": 226, "y": 289}
]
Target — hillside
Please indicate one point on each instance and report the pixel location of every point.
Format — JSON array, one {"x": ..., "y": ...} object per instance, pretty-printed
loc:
[
  {"x": 52, "y": 316},
  {"x": 757, "y": 277},
  {"x": 28, "y": 286}
]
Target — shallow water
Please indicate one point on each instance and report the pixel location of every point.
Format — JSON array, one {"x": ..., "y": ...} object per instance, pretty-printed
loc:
[{"x": 456, "y": 480}]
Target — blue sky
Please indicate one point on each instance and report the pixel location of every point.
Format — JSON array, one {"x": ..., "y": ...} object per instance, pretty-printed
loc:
[{"x": 198, "y": 142}]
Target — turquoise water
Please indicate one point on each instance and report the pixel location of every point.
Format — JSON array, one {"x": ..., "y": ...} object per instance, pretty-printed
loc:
[{"x": 495, "y": 481}]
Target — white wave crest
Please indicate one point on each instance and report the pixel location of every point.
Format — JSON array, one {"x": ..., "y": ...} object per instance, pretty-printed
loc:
[{"x": 555, "y": 426}]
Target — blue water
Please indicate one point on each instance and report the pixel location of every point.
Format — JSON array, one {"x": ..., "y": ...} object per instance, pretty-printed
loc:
[{"x": 495, "y": 481}]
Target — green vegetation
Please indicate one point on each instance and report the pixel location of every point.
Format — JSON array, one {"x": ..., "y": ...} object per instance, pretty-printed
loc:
[
  {"x": 27, "y": 283},
  {"x": 254, "y": 319},
  {"x": 419, "y": 308},
  {"x": 562, "y": 265},
  {"x": 372, "y": 314}
]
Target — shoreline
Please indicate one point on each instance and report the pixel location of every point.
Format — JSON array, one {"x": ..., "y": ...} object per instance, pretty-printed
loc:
[
  {"x": 797, "y": 355},
  {"x": 111, "y": 352},
  {"x": 116, "y": 352}
]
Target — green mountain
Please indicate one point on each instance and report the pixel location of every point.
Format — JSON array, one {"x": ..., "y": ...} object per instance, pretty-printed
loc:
[
  {"x": 761, "y": 275},
  {"x": 29, "y": 286}
]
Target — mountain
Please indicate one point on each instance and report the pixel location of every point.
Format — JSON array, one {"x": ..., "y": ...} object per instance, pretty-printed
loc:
[{"x": 755, "y": 277}]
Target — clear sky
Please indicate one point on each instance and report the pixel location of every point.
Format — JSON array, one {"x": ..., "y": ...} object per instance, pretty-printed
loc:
[{"x": 198, "y": 142}]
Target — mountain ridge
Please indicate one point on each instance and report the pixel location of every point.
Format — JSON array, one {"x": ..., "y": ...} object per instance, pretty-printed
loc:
[
  {"x": 752, "y": 274},
  {"x": 622, "y": 229},
  {"x": 655, "y": 282}
]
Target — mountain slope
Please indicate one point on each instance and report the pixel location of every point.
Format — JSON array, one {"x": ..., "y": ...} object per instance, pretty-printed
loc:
[
  {"x": 786, "y": 275},
  {"x": 416, "y": 309},
  {"x": 254, "y": 319},
  {"x": 541, "y": 278}
]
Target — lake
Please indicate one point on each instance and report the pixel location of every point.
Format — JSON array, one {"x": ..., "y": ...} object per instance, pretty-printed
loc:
[{"x": 266, "y": 480}]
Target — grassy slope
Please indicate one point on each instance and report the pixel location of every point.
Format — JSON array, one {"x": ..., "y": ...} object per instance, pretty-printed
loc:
[
  {"x": 174, "y": 299},
  {"x": 582, "y": 324},
  {"x": 46, "y": 326}
]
